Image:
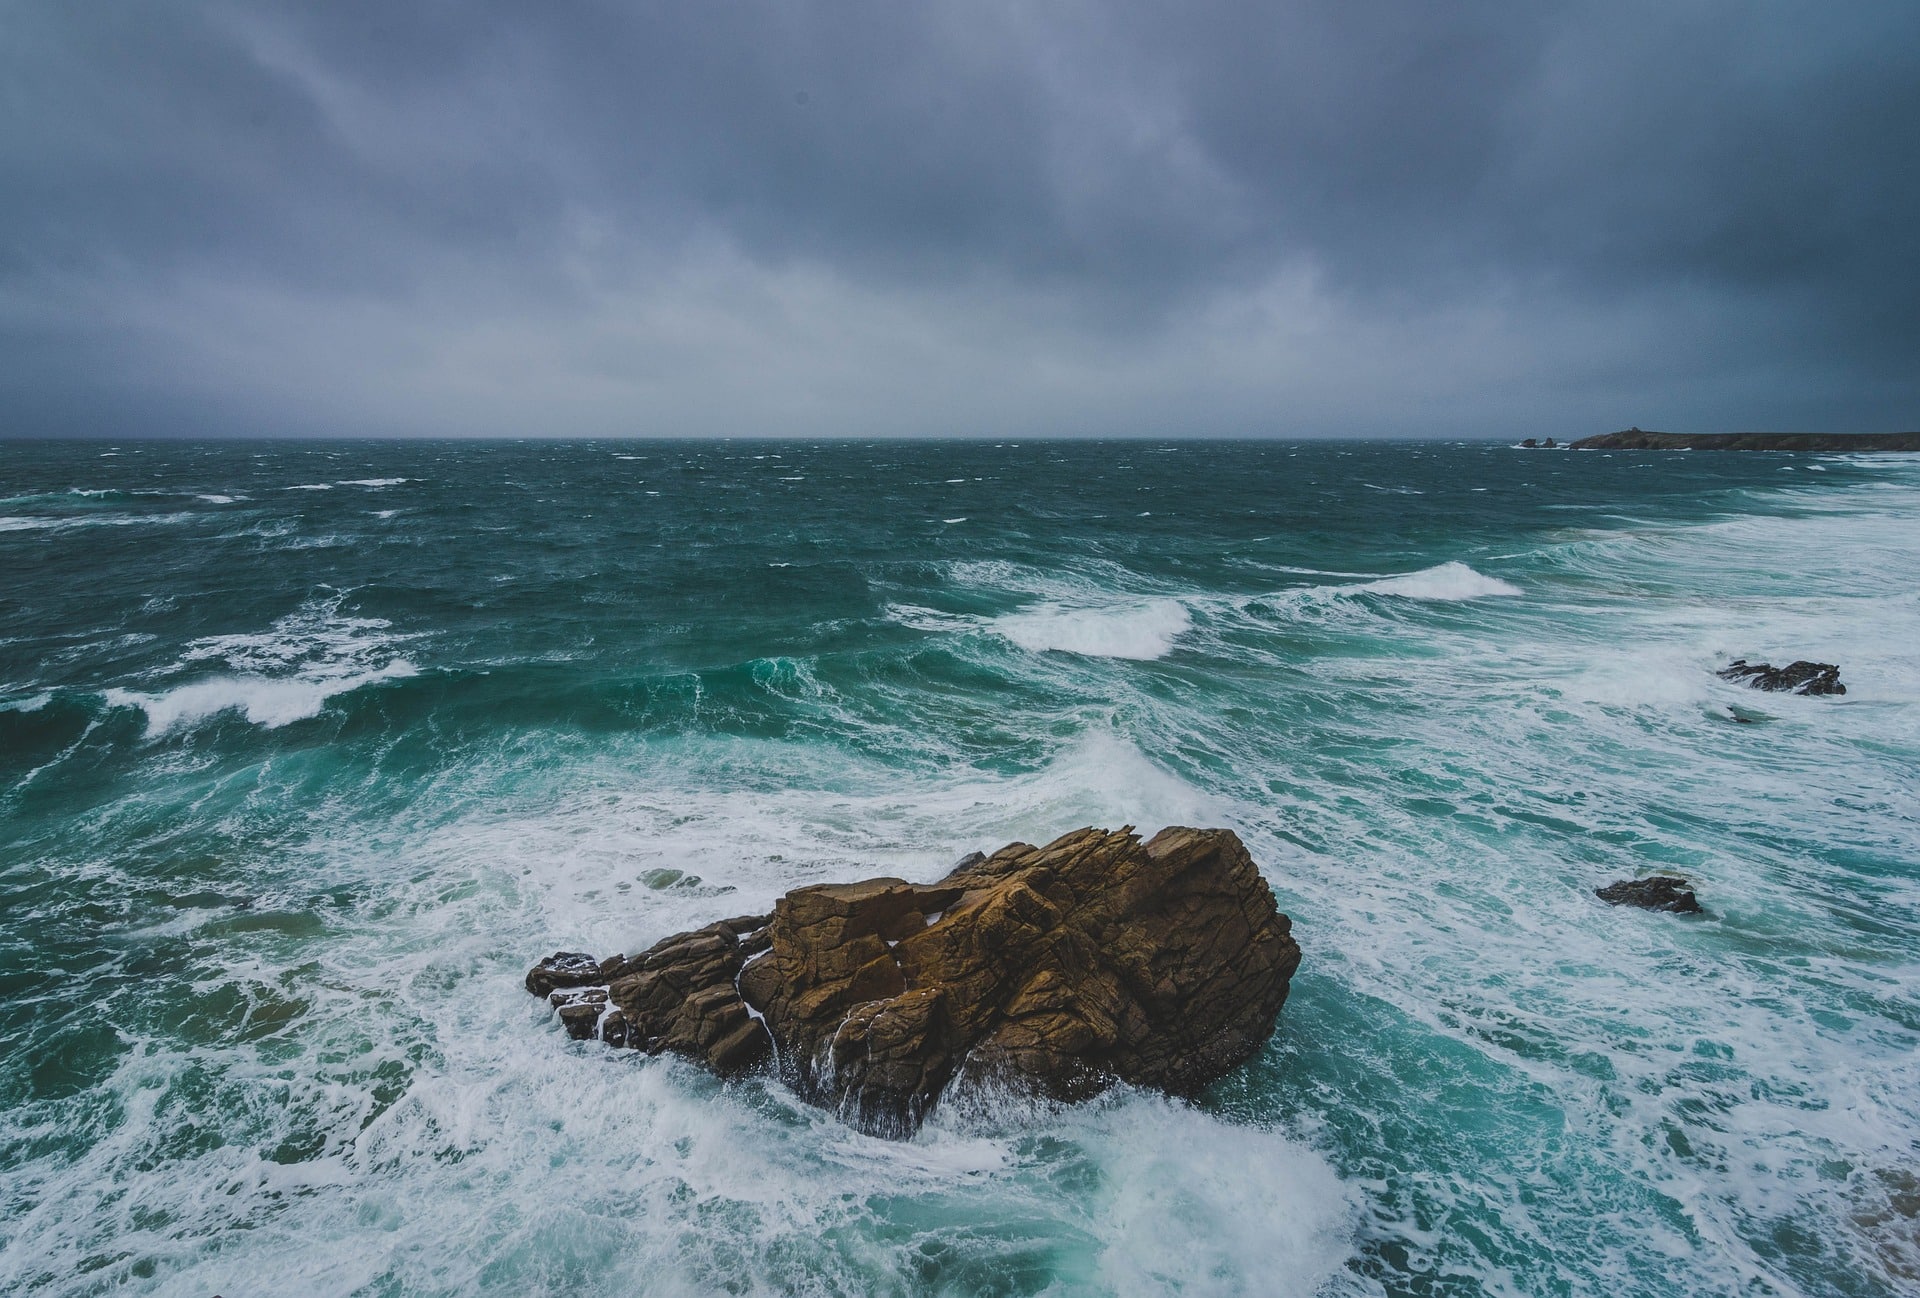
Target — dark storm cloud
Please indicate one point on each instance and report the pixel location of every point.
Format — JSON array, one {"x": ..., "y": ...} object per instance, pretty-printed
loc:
[{"x": 1212, "y": 217}]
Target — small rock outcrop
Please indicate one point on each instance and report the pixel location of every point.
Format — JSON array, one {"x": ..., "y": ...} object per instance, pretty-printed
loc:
[
  {"x": 1795, "y": 678},
  {"x": 1636, "y": 439},
  {"x": 1057, "y": 969},
  {"x": 1655, "y": 892}
]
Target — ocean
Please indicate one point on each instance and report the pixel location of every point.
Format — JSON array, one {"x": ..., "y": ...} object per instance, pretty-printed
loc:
[{"x": 308, "y": 750}]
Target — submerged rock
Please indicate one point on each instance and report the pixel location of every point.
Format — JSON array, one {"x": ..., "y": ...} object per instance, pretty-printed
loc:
[
  {"x": 1795, "y": 678},
  {"x": 1656, "y": 892},
  {"x": 1058, "y": 969}
]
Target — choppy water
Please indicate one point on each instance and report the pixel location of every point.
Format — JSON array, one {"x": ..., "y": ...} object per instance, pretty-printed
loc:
[{"x": 306, "y": 751}]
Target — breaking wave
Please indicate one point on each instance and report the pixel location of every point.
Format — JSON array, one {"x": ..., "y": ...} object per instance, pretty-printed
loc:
[
  {"x": 273, "y": 678},
  {"x": 1141, "y": 632},
  {"x": 1447, "y": 581}
]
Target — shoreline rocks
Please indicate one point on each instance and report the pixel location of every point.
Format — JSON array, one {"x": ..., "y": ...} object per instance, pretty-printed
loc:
[{"x": 1058, "y": 970}]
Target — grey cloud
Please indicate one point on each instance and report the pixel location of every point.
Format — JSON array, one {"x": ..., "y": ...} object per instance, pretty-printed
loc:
[{"x": 1213, "y": 218}]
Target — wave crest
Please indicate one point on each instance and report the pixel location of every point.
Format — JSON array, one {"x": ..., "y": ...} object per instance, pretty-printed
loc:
[
  {"x": 1447, "y": 581},
  {"x": 282, "y": 675},
  {"x": 263, "y": 700},
  {"x": 1139, "y": 631}
]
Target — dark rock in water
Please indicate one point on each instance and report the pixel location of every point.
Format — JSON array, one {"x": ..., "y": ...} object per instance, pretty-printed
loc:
[
  {"x": 1795, "y": 678},
  {"x": 1058, "y": 970},
  {"x": 563, "y": 969},
  {"x": 1656, "y": 892},
  {"x": 1530, "y": 443}
]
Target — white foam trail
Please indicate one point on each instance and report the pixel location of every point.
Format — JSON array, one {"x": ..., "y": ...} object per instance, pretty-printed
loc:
[
  {"x": 1138, "y": 631},
  {"x": 1447, "y": 581},
  {"x": 19, "y": 523},
  {"x": 931, "y": 619},
  {"x": 376, "y": 482}
]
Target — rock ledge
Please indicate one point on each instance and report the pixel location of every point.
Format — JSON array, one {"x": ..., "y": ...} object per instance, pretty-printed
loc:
[{"x": 1058, "y": 970}]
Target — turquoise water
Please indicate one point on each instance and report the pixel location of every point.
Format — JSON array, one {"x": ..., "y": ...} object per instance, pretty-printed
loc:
[{"x": 308, "y": 750}]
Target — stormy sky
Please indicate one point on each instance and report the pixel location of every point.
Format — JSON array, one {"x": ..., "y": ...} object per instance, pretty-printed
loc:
[{"x": 1295, "y": 218}]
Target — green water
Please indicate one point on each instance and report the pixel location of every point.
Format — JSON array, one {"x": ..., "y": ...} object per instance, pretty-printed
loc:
[{"x": 308, "y": 750}]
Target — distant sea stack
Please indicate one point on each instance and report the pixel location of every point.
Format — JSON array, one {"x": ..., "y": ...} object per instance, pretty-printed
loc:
[{"x": 1635, "y": 439}]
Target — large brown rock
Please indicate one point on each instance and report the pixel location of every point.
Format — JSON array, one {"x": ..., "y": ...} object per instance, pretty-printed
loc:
[{"x": 1057, "y": 969}]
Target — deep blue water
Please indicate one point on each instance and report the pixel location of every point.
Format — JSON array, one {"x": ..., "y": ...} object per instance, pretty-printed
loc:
[{"x": 308, "y": 750}]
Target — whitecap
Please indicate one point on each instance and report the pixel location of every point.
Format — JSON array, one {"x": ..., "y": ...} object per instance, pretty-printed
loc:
[
  {"x": 277, "y": 676},
  {"x": 1447, "y": 581},
  {"x": 1142, "y": 631},
  {"x": 312, "y": 486},
  {"x": 264, "y": 700},
  {"x": 376, "y": 482}
]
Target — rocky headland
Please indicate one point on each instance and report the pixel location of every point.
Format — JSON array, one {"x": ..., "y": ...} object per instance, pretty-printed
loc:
[
  {"x": 1635, "y": 439},
  {"x": 1055, "y": 970}
]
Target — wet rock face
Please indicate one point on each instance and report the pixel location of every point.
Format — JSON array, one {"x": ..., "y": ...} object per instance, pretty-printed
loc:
[
  {"x": 1795, "y": 678},
  {"x": 1657, "y": 892},
  {"x": 1057, "y": 969}
]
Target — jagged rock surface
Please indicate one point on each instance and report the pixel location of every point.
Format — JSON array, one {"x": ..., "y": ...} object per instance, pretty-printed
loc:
[
  {"x": 1058, "y": 969},
  {"x": 1795, "y": 678},
  {"x": 1656, "y": 892}
]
